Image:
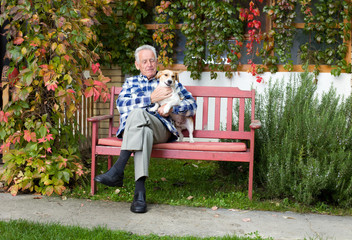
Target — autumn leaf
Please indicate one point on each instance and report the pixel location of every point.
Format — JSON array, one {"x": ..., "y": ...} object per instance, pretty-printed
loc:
[
  {"x": 18, "y": 40},
  {"x": 14, "y": 190},
  {"x": 96, "y": 94},
  {"x": 49, "y": 190},
  {"x": 89, "y": 82},
  {"x": 98, "y": 83},
  {"x": 95, "y": 67},
  {"x": 87, "y": 22},
  {"x": 44, "y": 66},
  {"x": 67, "y": 57},
  {"x": 214, "y": 208},
  {"x": 61, "y": 49},
  {"x": 88, "y": 92},
  {"x": 29, "y": 136},
  {"x": 51, "y": 86},
  {"x": 59, "y": 189},
  {"x": 107, "y": 10},
  {"x": 13, "y": 74},
  {"x": 4, "y": 116}
]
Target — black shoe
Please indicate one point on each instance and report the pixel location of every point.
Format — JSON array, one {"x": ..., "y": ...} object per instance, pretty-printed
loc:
[
  {"x": 106, "y": 179},
  {"x": 139, "y": 205}
]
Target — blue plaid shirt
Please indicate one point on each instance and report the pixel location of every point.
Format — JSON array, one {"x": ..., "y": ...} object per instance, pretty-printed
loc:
[{"x": 136, "y": 93}]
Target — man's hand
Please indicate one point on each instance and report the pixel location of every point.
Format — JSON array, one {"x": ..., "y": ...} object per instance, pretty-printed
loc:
[
  {"x": 160, "y": 93},
  {"x": 161, "y": 111}
]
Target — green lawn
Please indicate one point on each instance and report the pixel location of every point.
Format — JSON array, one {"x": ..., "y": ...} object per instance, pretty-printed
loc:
[
  {"x": 24, "y": 230},
  {"x": 199, "y": 184}
]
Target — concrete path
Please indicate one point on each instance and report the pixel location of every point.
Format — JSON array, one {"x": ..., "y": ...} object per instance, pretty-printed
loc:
[{"x": 175, "y": 221}]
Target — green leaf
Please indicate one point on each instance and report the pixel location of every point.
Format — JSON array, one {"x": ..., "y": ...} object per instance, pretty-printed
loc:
[
  {"x": 66, "y": 176},
  {"x": 28, "y": 78}
]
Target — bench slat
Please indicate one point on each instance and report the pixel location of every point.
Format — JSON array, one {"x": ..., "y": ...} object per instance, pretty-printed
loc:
[
  {"x": 205, "y": 114},
  {"x": 217, "y": 113},
  {"x": 196, "y": 146},
  {"x": 229, "y": 114},
  {"x": 241, "y": 115}
]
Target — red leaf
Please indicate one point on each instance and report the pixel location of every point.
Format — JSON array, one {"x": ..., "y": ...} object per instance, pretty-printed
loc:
[
  {"x": 4, "y": 116},
  {"x": 98, "y": 83},
  {"x": 95, "y": 67},
  {"x": 13, "y": 74},
  {"x": 96, "y": 94},
  {"x": 89, "y": 82},
  {"x": 44, "y": 66},
  {"x": 67, "y": 57},
  {"x": 27, "y": 135},
  {"x": 18, "y": 40},
  {"x": 88, "y": 92}
]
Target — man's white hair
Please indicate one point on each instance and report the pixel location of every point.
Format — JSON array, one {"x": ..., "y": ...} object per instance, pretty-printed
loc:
[{"x": 144, "y": 47}]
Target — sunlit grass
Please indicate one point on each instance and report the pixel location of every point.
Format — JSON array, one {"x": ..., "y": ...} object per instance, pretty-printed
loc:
[
  {"x": 25, "y": 230},
  {"x": 197, "y": 184}
]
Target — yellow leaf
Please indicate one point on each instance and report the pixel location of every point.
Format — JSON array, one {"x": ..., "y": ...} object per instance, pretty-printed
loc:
[
  {"x": 49, "y": 190},
  {"x": 24, "y": 51},
  {"x": 53, "y": 46},
  {"x": 61, "y": 49},
  {"x": 14, "y": 189},
  {"x": 67, "y": 25},
  {"x": 68, "y": 78}
]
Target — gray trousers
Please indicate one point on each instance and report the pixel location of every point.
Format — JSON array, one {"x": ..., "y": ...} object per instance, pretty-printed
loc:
[{"x": 142, "y": 130}]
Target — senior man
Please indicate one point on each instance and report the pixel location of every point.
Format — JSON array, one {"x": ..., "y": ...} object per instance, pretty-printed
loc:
[{"x": 140, "y": 127}]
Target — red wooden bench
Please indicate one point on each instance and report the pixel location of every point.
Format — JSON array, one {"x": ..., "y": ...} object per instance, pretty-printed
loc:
[{"x": 202, "y": 148}]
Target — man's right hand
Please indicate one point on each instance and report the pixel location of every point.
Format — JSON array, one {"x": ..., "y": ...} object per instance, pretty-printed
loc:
[{"x": 160, "y": 93}]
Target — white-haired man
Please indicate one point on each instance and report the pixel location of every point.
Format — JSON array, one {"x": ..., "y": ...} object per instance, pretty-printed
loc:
[{"x": 140, "y": 127}]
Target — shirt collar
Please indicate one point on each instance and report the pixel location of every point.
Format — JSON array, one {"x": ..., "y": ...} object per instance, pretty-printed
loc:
[{"x": 145, "y": 77}]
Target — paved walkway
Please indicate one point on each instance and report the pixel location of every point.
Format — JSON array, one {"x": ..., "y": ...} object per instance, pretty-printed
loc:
[{"x": 175, "y": 221}]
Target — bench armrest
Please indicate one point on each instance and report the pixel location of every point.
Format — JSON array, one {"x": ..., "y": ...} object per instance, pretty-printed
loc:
[
  {"x": 255, "y": 124},
  {"x": 99, "y": 118}
]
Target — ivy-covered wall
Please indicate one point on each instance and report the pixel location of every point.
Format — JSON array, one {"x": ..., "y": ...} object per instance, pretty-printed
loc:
[{"x": 228, "y": 36}]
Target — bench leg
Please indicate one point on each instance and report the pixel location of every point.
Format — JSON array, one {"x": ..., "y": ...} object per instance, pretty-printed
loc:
[
  {"x": 92, "y": 175},
  {"x": 109, "y": 162},
  {"x": 250, "y": 181}
]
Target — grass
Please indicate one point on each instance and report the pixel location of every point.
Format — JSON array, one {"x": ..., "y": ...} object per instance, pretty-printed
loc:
[
  {"x": 20, "y": 229},
  {"x": 198, "y": 184}
]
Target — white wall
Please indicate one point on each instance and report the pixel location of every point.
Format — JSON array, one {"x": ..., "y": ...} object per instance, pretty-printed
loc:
[{"x": 245, "y": 81}]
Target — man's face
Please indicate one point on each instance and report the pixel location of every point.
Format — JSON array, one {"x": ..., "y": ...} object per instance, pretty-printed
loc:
[{"x": 147, "y": 63}]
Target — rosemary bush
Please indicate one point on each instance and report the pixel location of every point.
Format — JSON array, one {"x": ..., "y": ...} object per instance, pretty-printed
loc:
[{"x": 303, "y": 150}]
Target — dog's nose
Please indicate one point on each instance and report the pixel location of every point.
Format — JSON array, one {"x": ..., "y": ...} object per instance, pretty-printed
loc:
[{"x": 169, "y": 82}]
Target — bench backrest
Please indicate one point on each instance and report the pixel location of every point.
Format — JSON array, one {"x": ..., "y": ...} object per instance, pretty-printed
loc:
[{"x": 219, "y": 110}]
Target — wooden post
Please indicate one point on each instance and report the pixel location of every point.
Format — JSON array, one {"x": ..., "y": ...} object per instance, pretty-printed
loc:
[{"x": 5, "y": 87}]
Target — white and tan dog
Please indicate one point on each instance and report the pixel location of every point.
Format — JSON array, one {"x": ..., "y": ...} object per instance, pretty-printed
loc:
[{"x": 167, "y": 78}]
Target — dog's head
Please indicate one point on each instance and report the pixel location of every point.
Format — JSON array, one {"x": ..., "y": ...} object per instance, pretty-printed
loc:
[{"x": 167, "y": 78}]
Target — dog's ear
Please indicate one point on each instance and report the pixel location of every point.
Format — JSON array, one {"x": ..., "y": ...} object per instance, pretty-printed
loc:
[
  {"x": 158, "y": 75},
  {"x": 177, "y": 73}
]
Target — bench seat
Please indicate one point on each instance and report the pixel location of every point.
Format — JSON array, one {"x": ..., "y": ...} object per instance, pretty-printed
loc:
[{"x": 196, "y": 146}]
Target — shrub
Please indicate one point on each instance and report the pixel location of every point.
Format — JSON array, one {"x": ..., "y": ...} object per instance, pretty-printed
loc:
[
  {"x": 303, "y": 149},
  {"x": 48, "y": 44}
]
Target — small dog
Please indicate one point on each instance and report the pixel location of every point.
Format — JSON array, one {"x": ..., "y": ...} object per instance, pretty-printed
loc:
[{"x": 167, "y": 78}]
